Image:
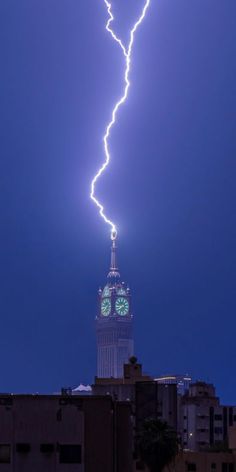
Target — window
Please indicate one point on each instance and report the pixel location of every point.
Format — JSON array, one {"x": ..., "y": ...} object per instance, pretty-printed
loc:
[
  {"x": 213, "y": 466},
  {"x": 185, "y": 430},
  {"x": 5, "y": 454},
  {"x": 59, "y": 415},
  {"x": 23, "y": 448},
  {"x": 46, "y": 448},
  {"x": 218, "y": 430},
  {"x": 234, "y": 418},
  {"x": 218, "y": 417},
  {"x": 192, "y": 467},
  {"x": 6, "y": 401},
  {"x": 203, "y": 430},
  {"x": 231, "y": 467},
  {"x": 70, "y": 454},
  {"x": 224, "y": 467}
]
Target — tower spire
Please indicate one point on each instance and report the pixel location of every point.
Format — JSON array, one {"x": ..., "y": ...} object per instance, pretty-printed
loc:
[
  {"x": 113, "y": 268},
  {"x": 114, "y": 322}
]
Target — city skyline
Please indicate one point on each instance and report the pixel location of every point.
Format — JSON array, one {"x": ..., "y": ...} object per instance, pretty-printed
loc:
[{"x": 171, "y": 187}]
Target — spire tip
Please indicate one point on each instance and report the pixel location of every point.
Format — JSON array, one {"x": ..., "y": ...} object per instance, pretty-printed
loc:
[
  {"x": 113, "y": 268},
  {"x": 113, "y": 234}
]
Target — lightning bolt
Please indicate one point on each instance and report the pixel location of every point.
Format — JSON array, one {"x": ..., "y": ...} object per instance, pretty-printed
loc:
[{"x": 127, "y": 52}]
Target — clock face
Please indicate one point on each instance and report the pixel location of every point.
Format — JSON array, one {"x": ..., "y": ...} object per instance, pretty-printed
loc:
[
  {"x": 122, "y": 306},
  {"x": 106, "y": 307}
]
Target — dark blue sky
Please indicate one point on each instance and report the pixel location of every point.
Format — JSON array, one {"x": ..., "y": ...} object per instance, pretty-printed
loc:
[{"x": 170, "y": 187}]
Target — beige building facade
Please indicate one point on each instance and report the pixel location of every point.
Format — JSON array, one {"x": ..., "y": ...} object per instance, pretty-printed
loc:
[{"x": 203, "y": 421}]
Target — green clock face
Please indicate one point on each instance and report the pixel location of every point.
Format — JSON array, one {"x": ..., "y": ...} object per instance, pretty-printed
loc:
[
  {"x": 106, "y": 307},
  {"x": 106, "y": 292},
  {"x": 122, "y": 306}
]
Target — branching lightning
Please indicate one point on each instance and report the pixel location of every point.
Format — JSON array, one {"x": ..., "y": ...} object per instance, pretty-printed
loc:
[{"x": 127, "y": 52}]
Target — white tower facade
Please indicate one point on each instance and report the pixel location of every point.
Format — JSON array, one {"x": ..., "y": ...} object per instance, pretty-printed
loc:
[{"x": 114, "y": 324}]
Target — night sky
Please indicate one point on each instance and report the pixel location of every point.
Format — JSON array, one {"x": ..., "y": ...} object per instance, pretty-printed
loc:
[{"x": 170, "y": 188}]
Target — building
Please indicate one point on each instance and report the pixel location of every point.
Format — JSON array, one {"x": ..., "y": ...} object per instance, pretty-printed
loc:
[
  {"x": 232, "y": 438},
  {"x": 121, "y": 389},
  {"x": 204, "y": 423},
  {"x": 182, "y": 381},
  {"x": 156, "y": 401},
  {"x": 203, "y": 462},
  {"x": 114, "y": 324},
  {"x": 61, "y": 433},
  {"x": 197, "y": 462},
  {"x": 148, "y": 398}
]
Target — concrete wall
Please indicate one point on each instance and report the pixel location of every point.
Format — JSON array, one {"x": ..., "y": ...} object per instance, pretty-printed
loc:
[
  {"x": 97, "y": 427},
  {"x": 29, "y": 422}
]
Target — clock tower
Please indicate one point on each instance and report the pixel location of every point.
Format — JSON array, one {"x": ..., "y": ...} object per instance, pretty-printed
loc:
[{"x": 114, "y": 324}]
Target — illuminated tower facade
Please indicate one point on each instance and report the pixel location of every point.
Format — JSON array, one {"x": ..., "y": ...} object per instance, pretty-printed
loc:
[{"x": 114, "y": 324}]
